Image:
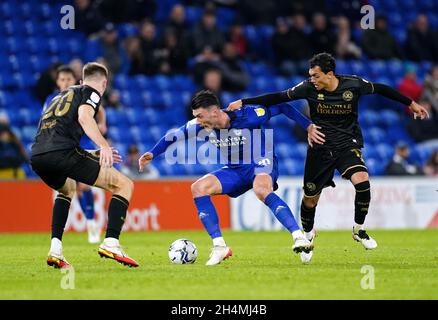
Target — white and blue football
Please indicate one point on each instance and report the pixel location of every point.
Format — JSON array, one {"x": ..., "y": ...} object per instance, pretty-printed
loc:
[{"x": 183, "y": 251}]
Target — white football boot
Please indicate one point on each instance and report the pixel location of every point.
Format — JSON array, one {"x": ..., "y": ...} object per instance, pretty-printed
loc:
[
  {"x": 300, "y": 242},
  {"x": 218, "y": 254},
  {"x": 360, "y": 235},
  {"x": 306, "y": 256},
  {"x": 111, "y": 248}
]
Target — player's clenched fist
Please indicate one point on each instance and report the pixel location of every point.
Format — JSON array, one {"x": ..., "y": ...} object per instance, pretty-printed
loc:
[{"x": 144, "y": 160}]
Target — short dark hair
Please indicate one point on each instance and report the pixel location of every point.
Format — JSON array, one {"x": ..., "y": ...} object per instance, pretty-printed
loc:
[
  {"x": 204, "y": 99},
  {"x": 323, "y": 60},
  {"x": 64, "y": 69},
  {"x": 94, "y": 69}
]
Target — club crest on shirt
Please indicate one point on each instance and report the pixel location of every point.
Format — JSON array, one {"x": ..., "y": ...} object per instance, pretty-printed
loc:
[
  {"x": 320, "y": 96},
  {"x": 347, "y": 95}
]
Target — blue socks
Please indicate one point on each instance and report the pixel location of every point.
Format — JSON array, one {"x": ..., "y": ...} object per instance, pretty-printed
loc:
[
  {"x": 87, "y": 204},
  {"x": 282, "y": 212},
  {"x": 207, "y": 214}
]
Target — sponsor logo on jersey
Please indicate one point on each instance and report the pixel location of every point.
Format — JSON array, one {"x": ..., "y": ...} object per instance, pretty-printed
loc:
[
  {"x": 95, "y": 97},
  {"x": 260, "y": 112}
]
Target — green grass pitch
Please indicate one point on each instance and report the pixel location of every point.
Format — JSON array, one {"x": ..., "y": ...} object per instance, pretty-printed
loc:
[{"x": 263, "y": 266}]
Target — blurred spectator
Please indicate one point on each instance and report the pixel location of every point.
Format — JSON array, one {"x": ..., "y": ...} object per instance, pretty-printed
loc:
[
  {"x": 257, "y": 11},
  {"x": 291, "y": 45},
  {"x": 378, "y": 43},
  {"x": 113, "y": 100},
  {"x": 213, "y": 81},
  {"x": 177, "y": 23},
  {"x": 135, "y": 56},
  {"x": 321, "y": 38},
  {"x": 430, "y": 91},
  {"x": 173, "y": 54},
  {"x": 431, "y": 167},
  {"x": 409, "y": 85},
  {"x": 46, "y": 83},
  {"x": 420, "y": 43},
  {"x": 76, "y": 65},
  {"x": 130, "y": 166},
  {"x": 206, "y": 34},
  {"x": 234, "y": 75},
  {"x": 118, "y": 11},
  {"x": 426, "y": 129},
  {"x": 149, "y": 47},
  {"x": 87, "y": 17},
  {"x": 238, "y": 39},
  {"x": 399, "y": 165},
  {"x": 204, "y": 61},
  {"x": 12, "y": 152},
  {"x": 112, "y": 51},
  {"x": 345, "y": 47}
]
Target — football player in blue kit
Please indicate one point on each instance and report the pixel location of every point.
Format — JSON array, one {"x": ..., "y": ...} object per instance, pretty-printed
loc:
[{"x": 248, "y": 166}]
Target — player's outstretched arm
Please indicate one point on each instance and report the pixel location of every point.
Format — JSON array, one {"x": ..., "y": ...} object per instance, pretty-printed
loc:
[
  {"x": 393, "y": 94},
  {"x": 264, "y": 100},
  {"x": 313, "y": 133},
  {"x": 187, "y": 131},
  {"x": 87, "y": 122},
  {"x": 300, "y": 91}
]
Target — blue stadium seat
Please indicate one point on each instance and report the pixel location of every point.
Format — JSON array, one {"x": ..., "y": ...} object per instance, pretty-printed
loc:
[
  {"x": 369, "y": 118},
  {"x": 375, "y": 166},
  {"x": 395, "y": 68},
  {"x": 389, "y": 117},
  {"x": 385, "y": 151},
  {"x": 376, "y": 135}
]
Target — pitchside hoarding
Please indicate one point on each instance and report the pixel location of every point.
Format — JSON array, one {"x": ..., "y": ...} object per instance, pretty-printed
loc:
[
  {"x": 395, "y": 204},
  {"x": 156, "y": 205}
]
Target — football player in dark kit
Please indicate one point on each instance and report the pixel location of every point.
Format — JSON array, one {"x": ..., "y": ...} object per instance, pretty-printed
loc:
[
  {"x": 333, "y": 102},
  {"x": 59, "y": 161}
]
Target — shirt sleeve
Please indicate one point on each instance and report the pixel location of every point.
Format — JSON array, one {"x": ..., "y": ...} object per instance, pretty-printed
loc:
[
  {"x": 257, "y": 115},
  {"x": 292, "y": 113},
  {"x": 365, "y": 86},
  {"x": 298, "y": 92},
  {"x": 187, "y": 131},
  {"x": 91, "y": 97}
]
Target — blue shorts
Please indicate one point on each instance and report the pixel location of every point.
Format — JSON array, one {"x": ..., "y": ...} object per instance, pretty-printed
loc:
[
  {"x": 87, "y": 144},
  {"x": 238, "y": 179}
]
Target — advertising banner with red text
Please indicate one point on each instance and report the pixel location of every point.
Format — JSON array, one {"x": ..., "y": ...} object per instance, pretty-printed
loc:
[{"x": 156, "y": 205}]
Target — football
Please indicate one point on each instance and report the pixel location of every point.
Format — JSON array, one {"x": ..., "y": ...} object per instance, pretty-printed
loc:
[{"x": 183, "y": 251}]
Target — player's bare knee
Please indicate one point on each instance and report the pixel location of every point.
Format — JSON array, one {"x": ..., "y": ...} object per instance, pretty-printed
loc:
[
  {"x": 68, "y": 189},
  {"x": 310, "y": 202},
  {"x": 359, "y": 177},
  {"x": 262, "y": 192},
  {"x": 199, "y": 189},
  {"x": 126, "y": 188}
]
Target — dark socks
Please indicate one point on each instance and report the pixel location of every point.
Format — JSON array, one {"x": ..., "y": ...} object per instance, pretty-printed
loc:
[
  {"x": 307, "y": 217},
  {"x": 361, "y": 201},
  {"x": 60, "y": 215},
  {"x": 116, "y": 216}
]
